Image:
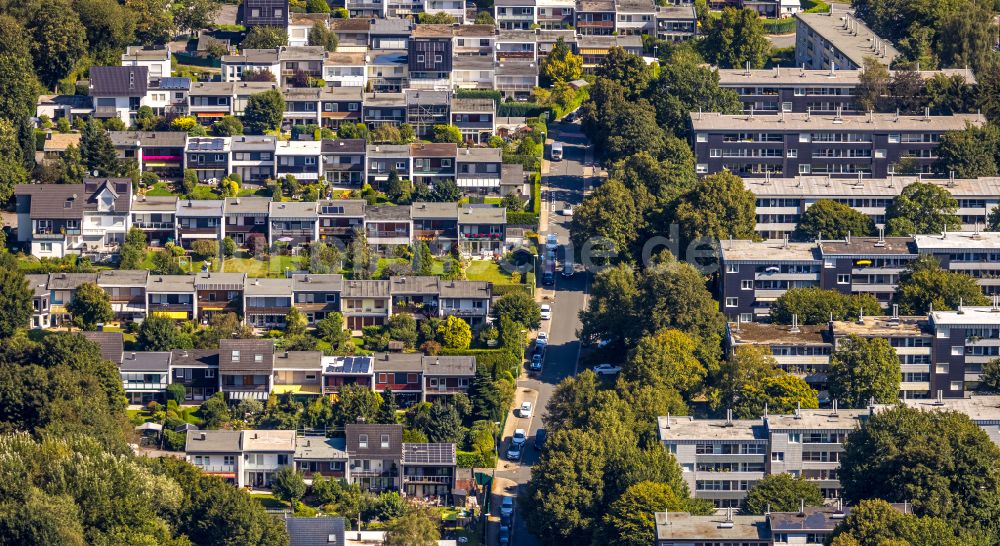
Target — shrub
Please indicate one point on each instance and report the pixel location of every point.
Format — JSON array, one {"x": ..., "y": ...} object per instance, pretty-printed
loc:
[
  {"x": 472, "y": 459},
  {"x": 173, "y": 441},
  {"x": 175, "y": 393}
]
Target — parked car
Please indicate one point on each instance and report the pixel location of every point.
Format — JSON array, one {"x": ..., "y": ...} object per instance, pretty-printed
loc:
[
  {"x": 606, "y": 369},
  {"x": 542, "y": 338},
  {"x": 568, "y": 270},
  {"x": 514, "y": 452},
  {"x": 546, "y": 311},
  {"x": 525, "y": 410},
  {"x": 548, "y": 278},
  {"x": 556, "y": 151},
  {"x": 568, "y": 211},
  {"x": 506, "y": 507},
  {"x": 540, "y": 439},
  {"x": 551, "y": 241},
  {"x": 519, "y": 437},
  {"x": 536, "y": 362}
]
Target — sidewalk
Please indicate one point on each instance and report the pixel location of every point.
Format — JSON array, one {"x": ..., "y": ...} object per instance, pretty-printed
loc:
[{"x": 502, "y": 487}]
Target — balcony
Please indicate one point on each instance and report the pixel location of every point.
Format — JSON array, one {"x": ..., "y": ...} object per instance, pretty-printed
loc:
[
  {"x": 388, "y": 234},
  {"x": 432, "y": 234},
  {"x": 336, "y": 230},
  {"x": 482, "y": 236},
  {"x": 197, "y": 230},
  {"x": 464, "y": 312},
  {"x": 595, "y": 24},
  {"x": 250, "y": 388},
  {"x": 427, "y": 479},
  {"x": 105, "y": 111},
  {"x": 365, "y": 310},
  {"x": 216, "y": 468},
  {"x": 154, "y": 225},
  {"x": 357, "y": 472},
  {"x": 446, "y": 390}
]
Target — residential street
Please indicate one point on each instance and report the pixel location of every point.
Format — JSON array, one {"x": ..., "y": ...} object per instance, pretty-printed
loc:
[{"x": 562, "y": 186}]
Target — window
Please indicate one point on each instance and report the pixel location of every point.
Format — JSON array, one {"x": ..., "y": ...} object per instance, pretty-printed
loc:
[
  {"x": 941, "y": 367},
  {"x": 229, "y": 459},
  {"x": 236, "y": 355},
  {"x": 258, "y": 358},
  {"x": 209, "y": 373},
  {"x": 715, "y": 152},
  {"x": 732, "y": 268},
  {"x": 794, "y": 437},
  {"x": 777, "y": 456},
  {"x": 844, "y": 279},
  {"x": 701, "y": 168},
  {"x": 363, "y": 441},
  {"x": 46, "y": 247},
  {"x": 792, "y": 153},
  {"x": 732, "y": 302},
  {"x": 438, "y": 58},
  {"x": 701, "y": 137},
  {"x": 956, "y": 385},
  {"x": 420, "y": 58},
  {"x": 805, "y": 137},
  {"x": 746, "y": 317},
  {"x": 384, "y": 441},
  {"x": 804, "y": 168},
  {"x": 746, "y": 285}
]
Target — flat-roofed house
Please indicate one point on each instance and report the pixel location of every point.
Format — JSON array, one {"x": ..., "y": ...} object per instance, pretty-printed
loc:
[
  {"x": 171, "y": 296},
  {"x": 246, "y": 368}
]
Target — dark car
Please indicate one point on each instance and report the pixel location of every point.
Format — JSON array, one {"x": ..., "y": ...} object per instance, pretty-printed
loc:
[
  {"x": 536, "y": 362},
  {"x": 540, "y": 439}
]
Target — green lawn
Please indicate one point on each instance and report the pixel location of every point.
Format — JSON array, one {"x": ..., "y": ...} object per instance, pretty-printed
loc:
[
  {"x": 486, "y": 270},
  {"x": 273, "y": 267},
  {"x": 160, "y": 189},
  {"x": 269, "y": 501}
]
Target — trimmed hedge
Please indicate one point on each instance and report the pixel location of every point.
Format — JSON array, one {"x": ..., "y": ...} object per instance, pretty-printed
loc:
[
  {"x": 474, "y": 459},
  {"x": 480, "y": 94},
  {"x": 529, "y": 162},
  {"x": 504, "y": 289},
  {"x": 488, "y": 359},
  {"x": 536, "y": 193},
  {"x": 779, "y": 26},
  {"x": 528, "y": 219},
  {"x": 520, "y": 109},
  {"x": 815, "y": 6}
]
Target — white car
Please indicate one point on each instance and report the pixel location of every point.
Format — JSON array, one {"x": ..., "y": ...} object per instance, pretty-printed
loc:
[
  {"x": 519, "y": 437},
  {"x": 525, "y": 410},
  {"x": 542, "y": 339},
  {"x": 546, "y": 311},
  {"x": 568, "y": 211},
  {"x": 606, "y": 369},
  {"x": 552, "y": 242}
]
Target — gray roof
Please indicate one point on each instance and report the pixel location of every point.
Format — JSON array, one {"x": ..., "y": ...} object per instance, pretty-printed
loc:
[
  {"x": 682, "y": 526},
  {"x": 423, "y": 98},
  {"x": 320, "y": 447},
  {"x": 256, "y": 206},
  {"x": 387, "y": 213},
  {"x": 293, "y": 209},
  {"x": 111, "y": 343},
  {"x": 314, "y": 283},
  {"x": 176, "y": 139},
  {"x": 209, "y": 280},
  {"x": 386, "y": 99},
  {"x": 155, "y": 203},
  {"x": 517, "y": 68},
  {"x": 38, "y": 283},
  {"x": 788, "y": 122},
  {"x": 252, "y": 143},
  {"x": 512, "y": 175},
  {"x": 253, "y": 56},
  {"x": 211, "y": 208},
  {"x": 254, "y": 355},
  {"x": 146, "y": 361},
  {"x": 172, "y": 83},
  {"x": 70, "y": 281},
  {"x": 425, "y": 210},
  {"x": 736, "y": 77},
  {"x": 354, "y": 24},
  {"x": 118, "y": 81},
  {"x": 365, "y": 289},
  {"x": 482, "y": 214},
  {"x": 429, "y": 454},
  {"x": 262, "y": 286},
  {"x": 482, "y": 155},
  {"x": 481, "y": 63},
  {"x": 316, "y": 531},
  {"x": 349, "y": 365},
  {"x": 399, "y": 362},
  {"x": 388, "y": 150},
  {"x": 194, "y": 358},
  {"x": 449, "y": 365},
  {"x": 213, "y": 441},
  {"x": 301, "y": 53},
  {"x": 170, "y": 283},
  {"x": 440, "y": 149},
  {"x": 354, "y": 431},
  {"x": 123, "y": 277},
  {"x": 298, "y": 360},
  {"x": 342, "y": 207},
  {"x": 465, "y": 289},
  {"x": 869, "y": 246},
  {"x": 390, "y": 26},
  {"x": 344, "y": 146},
  {"x": 811, "y": 519},
  {"x": 53, "y": 200},
  {"x": 855, "y": 44},
  {"x": 414, "y": 284}
]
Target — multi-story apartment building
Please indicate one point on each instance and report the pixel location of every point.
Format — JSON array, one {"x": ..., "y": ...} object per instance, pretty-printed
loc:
[
  {"x": 755, "y": 274},
  {"x": 722, "y": 459},
  {"x": 974, "y": 253},
  {"x": 866, "y": 265},
  {"x": 514, "y": 14},
  {"x": 555, "y": 14},
  {"x": 802, "y": 350},
  {"x": 635, "y": 17},
  {"x": 825, "y": 40},
  {"x": 345, "y": 69},
  {"x": 515, "y": 45},
  {"x": 912, "y": 339},
  {"x": 515, "y": 79},
  {"x": 789, "y": 144},
  {"x": 596, "y": 17},
  {"x": 811, "y": 526},
  {"x": 801, "y": 90},
  {"x": 388, "y": 70}
]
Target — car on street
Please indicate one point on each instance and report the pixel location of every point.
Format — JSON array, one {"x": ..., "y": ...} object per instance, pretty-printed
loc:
[
  {"x": 540, "y": 439},
  {"x": 568, "y": 211},
  {"x": 542, "y": 339},
  {"x": 551, "y": 241},
  {"x": 514, "y": 452},
  {"x": 536, "y": 363},
  {"x": 567, "y": 269},
  {"x": 525, "y": 410},
  {"x": 556, "y": 151},
  {"x": 519, "y": 437},
  {"x": 506, "y": 507},
  {"x": 606, "y": 369},
  {"x": 546, "y": 311}
]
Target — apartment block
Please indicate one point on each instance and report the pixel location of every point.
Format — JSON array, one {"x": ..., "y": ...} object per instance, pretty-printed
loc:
[
  {"x": 789, "y": 144},
  {"x": 913, "y": 339},
  {"x": 838, "y": 40}
]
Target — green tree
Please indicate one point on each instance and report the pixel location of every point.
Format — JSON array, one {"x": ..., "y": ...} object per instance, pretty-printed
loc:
[
  {"x": 610, "y": 217},
  {"x": 747, "y": 365},
  {"x": 98, "y": 151},
  {"x": 15, "y": 302},
  {"x": 110, "y": 28},
  {"x": 295, "y": 322},
  {"x": 331, "y": 329},
  {"x": 814, "y": 305},
  {"x": 423, "y": 261},
  {"x": 455, "y": 333},
  {"x": 214, "y": 411},
  {"x": 667, "y": 359},
  {"x": 133, "y": 250},
  {"x": 265, "y": 37},
  {"x": 685, "y": 85},
  {"x": 321, "y": 35},
  {"x": 485, "y": 18},
  {"x": 417, "y": 527},
  {"x": 387, "y": 411},
  {"x": 970, "y": 153},
  {"x": 195, "y": 15},
  {"x": 519, "y": 307},
  {"x": 781, "y": 492},
  {"x": 205, "y": 249},
  {"x": 864, "y": 369},
  {"x": 720, "y": 207},
  {"x": 227, "y": 126},
  {"x": 781, "y": 392},
  {"x": 832, "y": 220},
  {"x": 941, "y": 462},
  {"x": 58, "y": 40},
  {"x": 264, "y": 111},
  {"x": 921, "y": 208},
  {"x": 560, "y": 65},
  {"x": 154, "y": 20},
  {"x": 737, "y": 38},
  {"x": 989, "y": 379},
  {"x": 360, "y": 256},
  {"x": 228, "y": 247},
  {"x": 446, "y": 191},
  {"x": 630, "y": 518},
  {"x": 159, "y": 333},
  {"x": 317, "y": 6},
  {"x": 397, "y": 190},
  {"x": 403, "y": 327},
  {"x": 627, "y": 69},
  {"x": 439, "y": 18},
  {"x": 878, "y": 523},
  {"x": 90, "y": 305},
  {"x": 447, "y": 134},
  {"x": 72, "y": 166},
  {"x": 873, "y": 86},
  {"x": 925, "y": 283},
  {"x": 288, "y": 485},
  {"x": 18, "y": 97},
  {"x": 949, "y": 95},
  {"x": 356, "y": 401},
  {"x": 444, "y": 424}
]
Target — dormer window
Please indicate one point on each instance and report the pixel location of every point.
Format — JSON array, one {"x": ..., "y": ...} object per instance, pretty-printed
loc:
[
  {"x": 363, "y": 441},
  {"x": 258, "y": 358},
  {"x": 385, "y": 441},
  {"x": 236, "y": 355}
]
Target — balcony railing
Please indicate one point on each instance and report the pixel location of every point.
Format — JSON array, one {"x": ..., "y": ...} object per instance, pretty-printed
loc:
[
  {"x": 105, "y": 111},
  {"x": 217, "y": 467},
  {"x": 359, "y": 473},
  {"x": 426, "y": 479},
  {"x": 254, "y": 388},
  {"x": 464, "y": 312},
  {"x": 154, "y": 225}
]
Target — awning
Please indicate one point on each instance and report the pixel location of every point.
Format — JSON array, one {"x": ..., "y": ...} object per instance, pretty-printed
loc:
[
  {"x": 211, "y": 307},
  {"x": 296, "y": 389},
  {"x": 478, "y": 182},
  {"x": 148, "y": 425},
  {"x": 210, "y": 114},
  {"x": 181, "y": 315},
  {"x": 247, "y": 395},
  {"x": 230, "y": 475},
  {"x": 199, "y": 236},
  {"x": 128, "y": 308}
]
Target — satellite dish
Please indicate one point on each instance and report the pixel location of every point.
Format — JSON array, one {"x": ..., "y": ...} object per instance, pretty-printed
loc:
[{"x": 97, "y": 172}]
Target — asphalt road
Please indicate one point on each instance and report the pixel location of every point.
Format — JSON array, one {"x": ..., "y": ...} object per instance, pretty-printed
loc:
[{"x": 562, "y": 186}]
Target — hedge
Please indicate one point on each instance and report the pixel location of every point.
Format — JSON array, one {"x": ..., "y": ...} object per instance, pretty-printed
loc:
[
  {"x": 520, "y": 109},
  {"x": 474, "y": 459},
  {"x": 504, "y": 289},
  {"x": 528, "y": 219},
  {"x": 480, "y": 94},
  {"x": 536, "y": 193},
  {"x": 488, "y": 359},
  {"x": 529, "y": 162},
  {"x": 779, "y": 26},
  {"x": 815, "y": 6}
]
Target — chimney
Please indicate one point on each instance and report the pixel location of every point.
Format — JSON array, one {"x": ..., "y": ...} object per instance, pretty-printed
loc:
[
  {"x": 201, "y": 435},
  {"x": 795, "y": 325}
]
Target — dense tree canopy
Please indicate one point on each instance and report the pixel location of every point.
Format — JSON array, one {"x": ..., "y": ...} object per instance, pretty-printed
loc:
[
  {"x": 832, "y": 220},
  {"x": 878, "y": 523},
  {"x": 863, "y": 370},
  {"x": 15, "y": 301},
  {"x": 925, "y": 283},
  {"x": 735, "y": 39},
  {"x": 815, "y": 305},
  {"x": 560, "y": 65},
  {"x": 719, "y": 207},
  {"x": 969, "y": 153},
  {"x": 264, "y": 111},
  {"x": 939, "y": 461},
  {"x": 781, "y": 492},
  {"x": 921, "y": 208}
]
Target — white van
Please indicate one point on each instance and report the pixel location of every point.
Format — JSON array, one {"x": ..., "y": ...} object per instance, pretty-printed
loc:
[{"x": 557, "y": 151}]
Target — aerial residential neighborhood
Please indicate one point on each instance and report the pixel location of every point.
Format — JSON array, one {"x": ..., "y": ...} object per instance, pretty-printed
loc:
[{"x": 494, "y": 273}]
